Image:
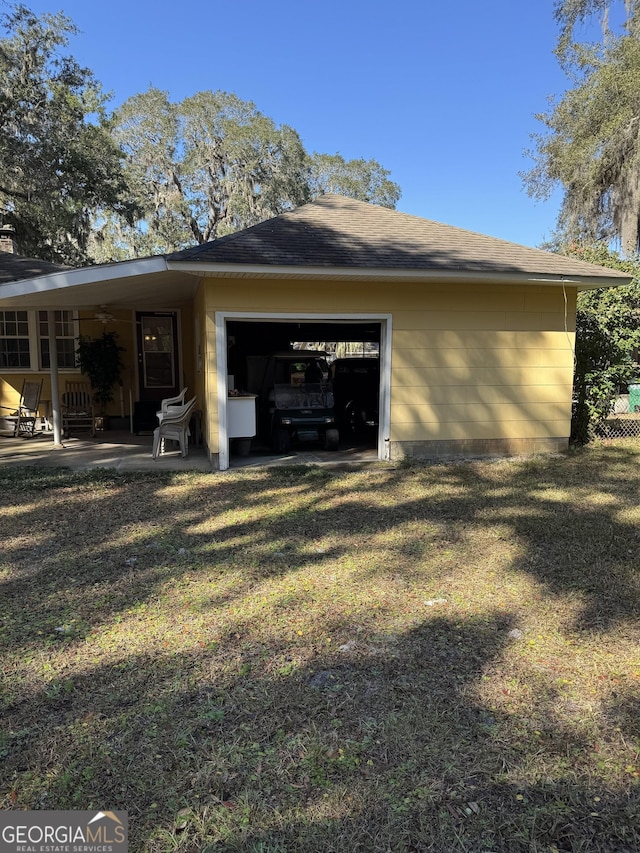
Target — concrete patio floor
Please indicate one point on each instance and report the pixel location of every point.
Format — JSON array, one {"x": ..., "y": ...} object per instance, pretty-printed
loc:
[{"x": 123, "y": 451}]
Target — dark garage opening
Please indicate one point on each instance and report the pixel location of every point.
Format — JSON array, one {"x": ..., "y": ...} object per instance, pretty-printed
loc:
[{"x": 353, "y": 352}]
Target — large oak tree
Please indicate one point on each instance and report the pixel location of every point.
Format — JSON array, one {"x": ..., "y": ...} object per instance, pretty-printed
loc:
[
  {"x": 80, "y": 185},
  {"x": 213, "y": 164},
  {"x": 199, "y": 169}
]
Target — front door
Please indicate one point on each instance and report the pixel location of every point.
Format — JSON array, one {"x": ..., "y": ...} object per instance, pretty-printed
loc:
[{"x": 158, "y": 367}]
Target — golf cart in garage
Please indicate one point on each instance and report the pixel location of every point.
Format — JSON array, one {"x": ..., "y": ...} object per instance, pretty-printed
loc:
[{"x": 295, "y": 399}]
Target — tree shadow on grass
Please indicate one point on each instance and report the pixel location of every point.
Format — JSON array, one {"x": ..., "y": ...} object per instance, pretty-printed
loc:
[
  {"x": 271, "y": 751},
  {"x": 83, "y": 549},
  {"x": 386, "y": 745}
]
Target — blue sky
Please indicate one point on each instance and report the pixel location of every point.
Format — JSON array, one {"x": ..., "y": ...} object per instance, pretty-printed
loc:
[{"x": 444, "y": 95}]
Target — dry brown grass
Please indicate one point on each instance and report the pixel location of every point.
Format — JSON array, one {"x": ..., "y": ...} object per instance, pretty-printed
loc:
[{"x": 439, "y": 658}]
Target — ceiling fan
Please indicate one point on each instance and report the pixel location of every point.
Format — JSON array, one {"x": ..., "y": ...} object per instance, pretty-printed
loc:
[{"x": 104, "y": 316}]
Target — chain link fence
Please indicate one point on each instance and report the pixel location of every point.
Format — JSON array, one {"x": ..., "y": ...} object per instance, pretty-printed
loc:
[{"x": 624, "y": 420}]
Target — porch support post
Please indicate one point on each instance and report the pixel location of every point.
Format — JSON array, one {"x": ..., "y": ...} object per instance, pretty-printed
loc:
[{"x": 55, "y": 386}]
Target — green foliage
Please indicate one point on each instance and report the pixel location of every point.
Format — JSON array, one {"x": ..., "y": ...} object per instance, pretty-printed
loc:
[
  {"x": 213, "y": 164},
  {"x": 199, "y": 169},
  {"x": 78, "y": 185},
  {"x": 99, "y": 359},
  {"x": 607, "y": 341},
  {"x": 570, "y": 13},
  {"x": 58, "y": 161},
  {"x": 590, "y": 146},
  {"x": 617, "y": 308},
  {"x": 364, "y": 180},
  {"x": 600, "y": 367}
]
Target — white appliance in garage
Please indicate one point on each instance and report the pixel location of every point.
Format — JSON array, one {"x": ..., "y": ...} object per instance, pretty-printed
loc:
[{"x": 241, "y": 416}]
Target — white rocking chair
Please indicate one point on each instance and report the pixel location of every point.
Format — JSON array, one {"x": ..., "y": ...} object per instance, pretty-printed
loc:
[{"x": 25, "y": 416}]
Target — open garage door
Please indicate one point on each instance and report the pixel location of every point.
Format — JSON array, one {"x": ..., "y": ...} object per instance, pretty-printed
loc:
[{"x": 246, "y": 344}]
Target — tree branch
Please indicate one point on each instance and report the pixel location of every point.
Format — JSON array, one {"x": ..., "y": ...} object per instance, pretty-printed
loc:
[{"x": 15, "y": 193}]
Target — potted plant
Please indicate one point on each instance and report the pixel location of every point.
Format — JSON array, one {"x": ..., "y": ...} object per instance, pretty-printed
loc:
[{"x": 99, "y": 359}]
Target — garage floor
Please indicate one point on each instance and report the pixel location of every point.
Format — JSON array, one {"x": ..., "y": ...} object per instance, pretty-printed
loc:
[{"x": 311, "y": 454}]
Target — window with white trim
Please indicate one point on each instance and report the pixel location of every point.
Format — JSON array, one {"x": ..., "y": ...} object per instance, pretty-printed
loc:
[
  {"x": 65, "y": 337},
  {"x": 24, "y": 340},
  {"x": 15, "y": 350}
]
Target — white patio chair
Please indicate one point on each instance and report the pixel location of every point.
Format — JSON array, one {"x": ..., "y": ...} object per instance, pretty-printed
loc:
[
  {"x": 170, "y": 403},
  {"x": 175, "y": 427}
]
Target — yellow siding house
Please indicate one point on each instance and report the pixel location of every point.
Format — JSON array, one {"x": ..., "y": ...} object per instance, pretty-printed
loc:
[{"x": 475, "y": 335}]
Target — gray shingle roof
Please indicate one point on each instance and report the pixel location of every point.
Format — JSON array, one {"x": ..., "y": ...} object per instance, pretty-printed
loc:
[
  {"x": 15, "y": 267},
  {"x": 335, "y": 231}
]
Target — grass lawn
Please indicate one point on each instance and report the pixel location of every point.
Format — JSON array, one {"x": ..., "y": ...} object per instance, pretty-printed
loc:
[{"x": 423, "y": 658}]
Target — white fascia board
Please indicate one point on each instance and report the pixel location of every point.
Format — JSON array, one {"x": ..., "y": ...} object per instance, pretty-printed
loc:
[
  {"x": 597, "y": 283},
  {"x": 85, "y": 275},
  {"x": 280, "y": 271}
]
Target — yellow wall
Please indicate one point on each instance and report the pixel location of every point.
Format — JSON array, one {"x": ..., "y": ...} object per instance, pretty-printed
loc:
[
  {"x": 493, "y": 365},
  {"x": 186, "y": 317},
  {"x": 468, "y": 361}
]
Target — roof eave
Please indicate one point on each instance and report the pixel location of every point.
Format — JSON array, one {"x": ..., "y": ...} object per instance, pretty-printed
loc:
[
  {"x": 321, "y": 272},
  {"x": 64, "y": 279},
  {"x": 85, "y": 275},
  {"x": 595, "y": 283}
]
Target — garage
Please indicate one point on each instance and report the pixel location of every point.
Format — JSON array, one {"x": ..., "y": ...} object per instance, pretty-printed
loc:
[{"x": 250, "y": 348}]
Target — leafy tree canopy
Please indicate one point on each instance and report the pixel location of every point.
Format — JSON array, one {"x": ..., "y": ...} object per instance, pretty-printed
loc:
[
  {"x": 214, "y": 164},
  {"x": 157, "y": 176},
  {"x": 591, "y": 143},
  {"x": 570, "y": 13},
  {"x": 200, "y": 169},
  {"x": 617, "y": 308},
  {"x": 364, "y": 180},
  {"x": 58, "y": 161}
]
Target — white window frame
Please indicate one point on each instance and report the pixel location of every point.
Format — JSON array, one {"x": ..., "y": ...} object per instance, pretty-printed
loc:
[
  {"x": 30, "y": 338},
  {"x": 76, "y": 334},
  {"x": 33, "y": 321}
]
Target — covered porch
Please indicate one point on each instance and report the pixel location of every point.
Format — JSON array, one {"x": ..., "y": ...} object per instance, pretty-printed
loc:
[{"x": 116, "y": 449}]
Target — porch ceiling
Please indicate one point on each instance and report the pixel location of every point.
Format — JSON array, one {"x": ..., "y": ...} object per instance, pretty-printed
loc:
[{"x": 155, "y": 290}]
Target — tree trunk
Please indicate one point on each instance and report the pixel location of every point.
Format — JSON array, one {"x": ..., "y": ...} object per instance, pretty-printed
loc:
[{"x": 629, "y": 210}]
